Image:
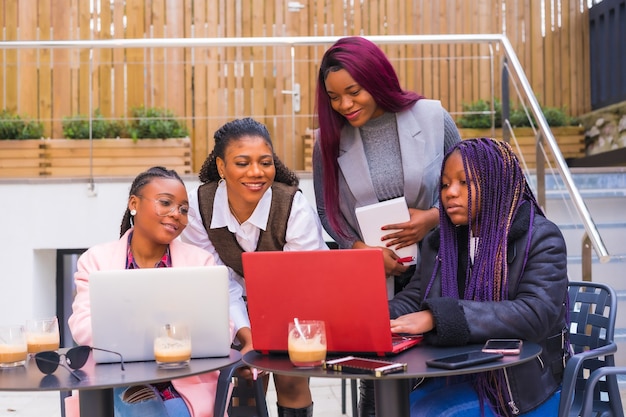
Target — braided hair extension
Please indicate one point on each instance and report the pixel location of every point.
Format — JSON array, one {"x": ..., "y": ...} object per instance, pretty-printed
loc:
[
  {"x": 497, "y": 178},
  {"x": 502, "y": 188},
  {"x": 233, "y": 131},
  {"x": 142, "y": 180}
]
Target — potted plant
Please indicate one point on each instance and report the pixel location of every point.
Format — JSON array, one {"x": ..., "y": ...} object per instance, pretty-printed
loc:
[
  {"x": 119, "y": 148},
  {"x": 79, "y": 127},
  {"x": 478, "y": 119},
  {"x": 16, "y": 127},
  {"x": 155, "y": 123},
  {"x": 20, "y": 142}
]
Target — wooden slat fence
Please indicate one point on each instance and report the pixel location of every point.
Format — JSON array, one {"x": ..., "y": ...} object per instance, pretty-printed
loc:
[{"x": 208, "y": 86}]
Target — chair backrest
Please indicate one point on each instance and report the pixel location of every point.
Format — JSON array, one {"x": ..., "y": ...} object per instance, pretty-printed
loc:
[
  {"x": 592, "y": 314},
  {"x": 593, "y": 310}
]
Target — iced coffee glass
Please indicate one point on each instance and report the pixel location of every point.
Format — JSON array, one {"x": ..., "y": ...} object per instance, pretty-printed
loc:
[
  {"x": 42, "y": 334},
  {"x": 172, "y": 346},
  {"x": 12, "y": 346},
  {"x": 307, "y": 343}
]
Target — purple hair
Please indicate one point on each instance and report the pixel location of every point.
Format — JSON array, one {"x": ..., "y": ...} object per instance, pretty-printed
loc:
[
  {"x": 495, "y": 171},
  {"x": 502, "y": 188},
  {"x": 361, "y": 58}
]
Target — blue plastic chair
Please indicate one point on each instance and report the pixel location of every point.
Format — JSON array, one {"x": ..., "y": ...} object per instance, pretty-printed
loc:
[{"x": 593, "y": 310}]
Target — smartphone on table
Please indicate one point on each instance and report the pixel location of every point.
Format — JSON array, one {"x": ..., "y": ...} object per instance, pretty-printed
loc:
[
  {"x": 376, "y": 367},
  {"x": 503, "y": 346},
  {"x": 463, "y": 360}
]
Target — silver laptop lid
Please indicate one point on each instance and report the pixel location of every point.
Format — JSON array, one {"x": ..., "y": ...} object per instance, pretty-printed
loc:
[{"x": 127, "y": 305}]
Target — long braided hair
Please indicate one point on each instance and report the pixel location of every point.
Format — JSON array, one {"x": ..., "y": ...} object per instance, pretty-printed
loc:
[
  {"x": 232, "y": 132},
  {"x": 502, "y": 189},
  {"x": 139, "y": 182}
]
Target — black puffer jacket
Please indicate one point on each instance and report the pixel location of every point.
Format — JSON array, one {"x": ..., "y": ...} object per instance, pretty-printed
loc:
[{"x": 535, "y": 310}]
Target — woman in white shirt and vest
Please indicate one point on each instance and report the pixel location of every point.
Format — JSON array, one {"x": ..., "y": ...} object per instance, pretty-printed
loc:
[{"x": 249, "y": 200}]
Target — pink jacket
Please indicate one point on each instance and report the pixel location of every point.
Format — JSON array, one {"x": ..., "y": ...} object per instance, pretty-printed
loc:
[{"x": 197, "y": 391}]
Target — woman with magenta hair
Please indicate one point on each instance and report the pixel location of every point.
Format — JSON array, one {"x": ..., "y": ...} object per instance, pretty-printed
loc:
[
  {"x": 495, "y": 268},
  {"x": 375, "y": 142}
]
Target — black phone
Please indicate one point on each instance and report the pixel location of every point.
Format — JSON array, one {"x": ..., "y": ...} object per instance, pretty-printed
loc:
[
  {"x": 463, "y": 360},
  {"x": 504, "y": 346}
]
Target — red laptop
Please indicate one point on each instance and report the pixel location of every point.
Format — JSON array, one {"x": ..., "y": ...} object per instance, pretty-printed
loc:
[{"x": 345, "y": 288}]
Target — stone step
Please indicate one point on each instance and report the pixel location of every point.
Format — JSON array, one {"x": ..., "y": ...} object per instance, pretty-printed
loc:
[
  {"x": 611, "y": 273},
  {"x": 588, "y": 179},
  {"x": 612, "y": 235},
  {"x": 603, "y": 209}
]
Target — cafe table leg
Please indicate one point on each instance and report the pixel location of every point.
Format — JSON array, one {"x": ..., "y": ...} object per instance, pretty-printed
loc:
[
  {"x": 392, "y": 397},
  {"x": 96, "y": 402}
]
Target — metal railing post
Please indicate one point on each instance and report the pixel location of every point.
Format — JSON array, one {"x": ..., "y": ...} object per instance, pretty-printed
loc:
[
  {"x": 540, "y": 172},
  {"x": 506, "y": 101},
  {"x": 586, "y": 258}
]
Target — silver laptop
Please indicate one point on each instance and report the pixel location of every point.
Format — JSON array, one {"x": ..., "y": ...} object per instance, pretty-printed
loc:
[{"x": 127, "y": 305}]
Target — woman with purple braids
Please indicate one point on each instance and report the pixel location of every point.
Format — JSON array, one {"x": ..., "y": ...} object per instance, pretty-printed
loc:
[{"x": 495, "y": 268}]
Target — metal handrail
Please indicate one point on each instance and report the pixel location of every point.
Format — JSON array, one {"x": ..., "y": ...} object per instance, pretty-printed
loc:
[{"x": 590, "y": 227}]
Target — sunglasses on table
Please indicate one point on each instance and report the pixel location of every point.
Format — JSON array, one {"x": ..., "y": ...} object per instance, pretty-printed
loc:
[{"x": 75, "y": 358}]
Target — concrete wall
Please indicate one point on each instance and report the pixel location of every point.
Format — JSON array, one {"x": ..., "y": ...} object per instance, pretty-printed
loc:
[{"x": 42, "y": 216}]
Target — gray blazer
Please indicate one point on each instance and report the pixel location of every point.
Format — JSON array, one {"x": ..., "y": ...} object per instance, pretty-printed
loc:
[{"x": 421, "y": 133}]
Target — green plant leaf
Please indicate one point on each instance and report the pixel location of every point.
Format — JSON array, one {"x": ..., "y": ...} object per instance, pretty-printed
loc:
[{"x": 14, "y": 126}]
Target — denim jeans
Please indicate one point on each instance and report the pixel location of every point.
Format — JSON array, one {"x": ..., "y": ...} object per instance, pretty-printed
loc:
[
  {"x": 442, "y": 398},
  {"x": 155, "y": 407}
]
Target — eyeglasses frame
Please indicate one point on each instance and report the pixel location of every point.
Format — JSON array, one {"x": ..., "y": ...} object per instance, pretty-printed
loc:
[{"x": 175, "y": 207}]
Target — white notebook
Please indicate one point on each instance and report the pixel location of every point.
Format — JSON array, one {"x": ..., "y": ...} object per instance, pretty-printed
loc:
[{"x": 374, "y": 216}]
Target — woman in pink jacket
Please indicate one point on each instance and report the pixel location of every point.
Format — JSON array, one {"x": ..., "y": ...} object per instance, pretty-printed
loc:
[{"x": 156, "y": 215}]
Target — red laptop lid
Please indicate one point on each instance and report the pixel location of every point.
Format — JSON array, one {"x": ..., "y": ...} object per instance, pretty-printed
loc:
[{"x": 345, "y": 288}]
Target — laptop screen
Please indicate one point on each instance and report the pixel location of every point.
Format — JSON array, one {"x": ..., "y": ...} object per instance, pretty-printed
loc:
[{"x": 345, "y": 288}]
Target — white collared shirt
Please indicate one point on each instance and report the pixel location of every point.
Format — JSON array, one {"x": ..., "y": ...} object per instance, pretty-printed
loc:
[{"x": 304, "y": 232}]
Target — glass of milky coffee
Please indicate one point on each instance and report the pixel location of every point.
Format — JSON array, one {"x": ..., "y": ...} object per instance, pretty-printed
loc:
[
  {"x": 42, "y": 334},
  {"x": 172, "y": 346},
  {"x": 12, "y": 346},
  {"x": 306, "y": 343}
]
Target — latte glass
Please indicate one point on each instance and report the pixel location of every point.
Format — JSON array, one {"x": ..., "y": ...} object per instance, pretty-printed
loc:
[
  {"x": 42, "y": 334},
  {"x": 306, "y": 343},
  {"x": 172, "y": 346},
  {"x": 12, "y": 346}
]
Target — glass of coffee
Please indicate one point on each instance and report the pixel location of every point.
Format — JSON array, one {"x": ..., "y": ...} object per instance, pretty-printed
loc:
[
  {"x": 42, "y": 334},
  {"x": 12, "y": 346},
  {"x": 307, "y": 343},
  {"x": 172, "y": 346}
]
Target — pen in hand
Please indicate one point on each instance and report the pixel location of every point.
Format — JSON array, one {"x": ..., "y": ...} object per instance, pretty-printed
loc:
[{"x": 405, "y": 259}]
